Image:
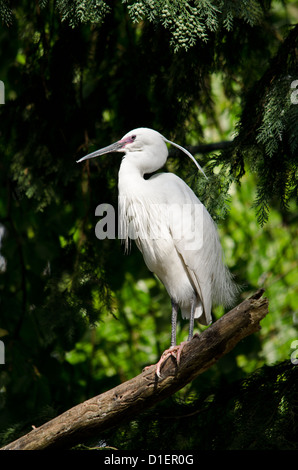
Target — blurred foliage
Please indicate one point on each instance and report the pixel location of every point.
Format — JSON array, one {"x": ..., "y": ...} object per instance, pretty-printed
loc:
[
  {"x": 77, "y": 316},
  {"x": 273, "y": 132}
]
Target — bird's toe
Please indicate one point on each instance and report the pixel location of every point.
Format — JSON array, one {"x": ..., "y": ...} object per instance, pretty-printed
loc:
[{"x": 174, "y": 351}]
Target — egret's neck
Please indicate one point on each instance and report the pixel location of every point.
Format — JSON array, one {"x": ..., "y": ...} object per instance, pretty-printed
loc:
[
  {"x": 130, "y": 171},
  {"x": 135, "y": 164},
  {"x": 129, "y": 167},
  {"x": 130, "y": 177}
]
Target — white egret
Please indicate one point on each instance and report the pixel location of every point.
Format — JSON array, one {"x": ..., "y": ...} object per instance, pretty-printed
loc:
[{"x": 172, "y": 229}]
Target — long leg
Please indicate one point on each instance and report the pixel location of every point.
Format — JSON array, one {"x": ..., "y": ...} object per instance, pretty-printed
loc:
[
  {"x": 174, "y": 350},
  {"x": 191, "y": 319},
  {"x": 174, "y": 322}
]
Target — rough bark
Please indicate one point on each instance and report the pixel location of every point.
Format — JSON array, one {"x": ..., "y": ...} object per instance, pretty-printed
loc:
[{"x": 145, "y": 390}]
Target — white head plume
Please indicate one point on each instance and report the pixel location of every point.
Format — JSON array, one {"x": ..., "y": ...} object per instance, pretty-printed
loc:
[{"x": 187, "y": 153}]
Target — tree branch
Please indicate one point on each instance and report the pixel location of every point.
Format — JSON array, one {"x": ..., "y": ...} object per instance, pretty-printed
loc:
[{"x": 145, "y": 390}]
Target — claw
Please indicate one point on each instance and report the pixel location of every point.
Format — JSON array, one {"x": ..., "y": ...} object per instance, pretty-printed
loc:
[{"x": 174, "y": 351}]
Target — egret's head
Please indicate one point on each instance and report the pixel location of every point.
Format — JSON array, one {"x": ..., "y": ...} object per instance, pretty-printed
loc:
[
  {"x": 144, "y": 147},
  {"x": 142, "y": 140}
]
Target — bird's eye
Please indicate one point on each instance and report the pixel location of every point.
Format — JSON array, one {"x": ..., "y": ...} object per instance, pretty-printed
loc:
[{"x": 133, "y": 137}]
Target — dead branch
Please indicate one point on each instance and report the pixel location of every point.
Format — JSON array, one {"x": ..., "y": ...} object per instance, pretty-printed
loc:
[{"x": 145, "y": 390}]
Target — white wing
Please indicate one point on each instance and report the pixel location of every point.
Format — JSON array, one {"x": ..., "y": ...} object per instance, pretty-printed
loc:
[
  {"x": 197, "y": 242},
  {"x": 179, "y": 242}
]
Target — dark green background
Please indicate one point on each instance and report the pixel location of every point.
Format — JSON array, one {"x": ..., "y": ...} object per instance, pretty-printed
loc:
[{"x": 77, "y": 315}]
